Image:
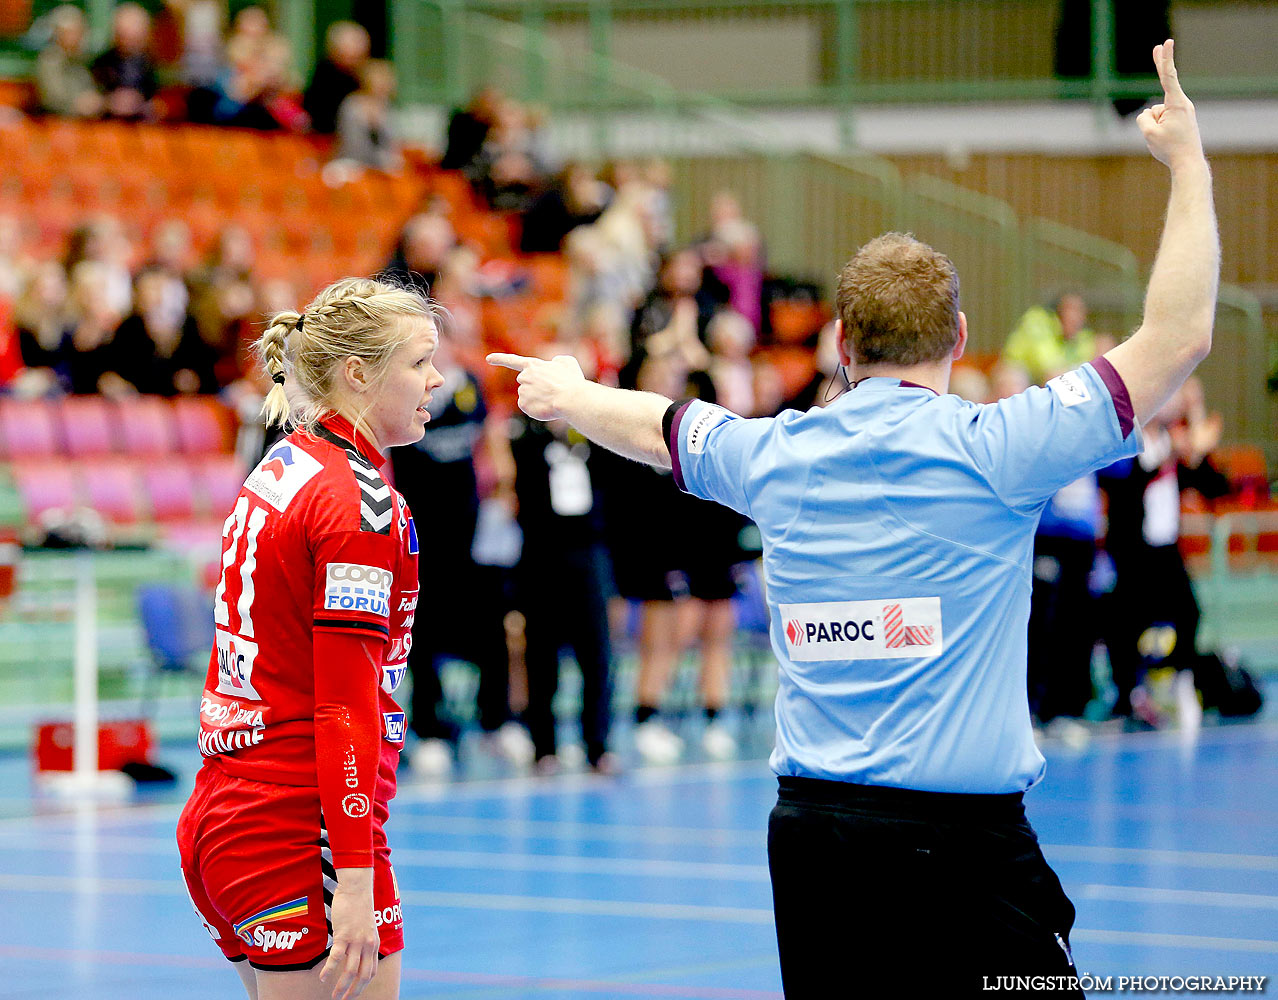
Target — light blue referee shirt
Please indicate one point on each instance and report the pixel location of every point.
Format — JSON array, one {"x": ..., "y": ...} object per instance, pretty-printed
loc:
[{"x": 898, "y": 534}]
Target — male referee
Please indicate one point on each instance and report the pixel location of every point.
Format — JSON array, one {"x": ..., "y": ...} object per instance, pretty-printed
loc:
[{"x": 898, "y": 528}]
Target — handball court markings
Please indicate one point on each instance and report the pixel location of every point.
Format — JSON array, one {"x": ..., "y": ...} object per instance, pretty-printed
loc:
[{"x": 656, "y": 885}]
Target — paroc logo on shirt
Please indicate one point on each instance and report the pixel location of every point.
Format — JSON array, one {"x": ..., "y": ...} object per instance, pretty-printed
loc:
[{"x": 884, "y": 629}]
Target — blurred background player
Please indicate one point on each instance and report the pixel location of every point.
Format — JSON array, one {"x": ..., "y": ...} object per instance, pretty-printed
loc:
[{"x": 463, "y": 604}]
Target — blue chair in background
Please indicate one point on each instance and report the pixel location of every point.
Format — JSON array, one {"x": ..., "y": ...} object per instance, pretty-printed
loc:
[{"x": 177, "y": 620}]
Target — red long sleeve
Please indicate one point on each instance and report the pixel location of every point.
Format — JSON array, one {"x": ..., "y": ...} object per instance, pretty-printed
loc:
[{"x": 348, "y": 740}]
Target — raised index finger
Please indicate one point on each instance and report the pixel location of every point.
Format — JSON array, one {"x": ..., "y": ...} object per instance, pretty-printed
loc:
[
  {"x": 515, "y": 362},
  {"x": 1164, "y": 61}
]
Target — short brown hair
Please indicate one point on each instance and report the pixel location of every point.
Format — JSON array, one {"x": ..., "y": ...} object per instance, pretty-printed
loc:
[{"x": 898, "y": 300}]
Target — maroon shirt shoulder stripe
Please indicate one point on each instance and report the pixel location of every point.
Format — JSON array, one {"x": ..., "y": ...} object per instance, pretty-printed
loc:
[
  {"x": 1118, "y": 393},
  {"x": 670, "y": 424}
]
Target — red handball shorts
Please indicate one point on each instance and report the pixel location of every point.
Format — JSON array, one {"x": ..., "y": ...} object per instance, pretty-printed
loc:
[{"x": 257, "y": 865}]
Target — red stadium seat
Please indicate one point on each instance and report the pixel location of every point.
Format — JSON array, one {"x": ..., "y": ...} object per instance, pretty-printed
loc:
[
  {"x": 46, "y": 485},
  {"x": 203, "y": 425},
  {"x": 28, "y": 429},
  {"x": 170, "y": 488},
  {"x": 220, "y": 479},
  {"x": 112, "y": 488},
  {"x": 146, "y": 426},
  {"x": 88, "y": 425}
]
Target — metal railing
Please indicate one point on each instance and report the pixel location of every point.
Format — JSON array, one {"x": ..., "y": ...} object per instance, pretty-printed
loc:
[{"x": 762, "y": 52}]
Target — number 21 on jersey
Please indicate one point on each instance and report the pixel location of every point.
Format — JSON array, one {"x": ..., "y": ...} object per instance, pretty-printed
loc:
[{"x": 235, "y": 528}]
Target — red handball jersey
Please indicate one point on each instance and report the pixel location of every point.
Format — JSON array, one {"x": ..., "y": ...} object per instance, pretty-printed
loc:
[{"x": 314, "y": 616}]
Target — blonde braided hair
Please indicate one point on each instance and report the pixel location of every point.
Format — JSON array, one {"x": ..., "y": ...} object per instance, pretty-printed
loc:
[{"x": 302, "y": 352}]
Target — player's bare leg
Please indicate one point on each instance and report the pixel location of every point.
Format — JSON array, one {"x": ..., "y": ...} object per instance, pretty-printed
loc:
[
  {"x": 248, "y": 976},
  {"x": 308, "y": 986}
]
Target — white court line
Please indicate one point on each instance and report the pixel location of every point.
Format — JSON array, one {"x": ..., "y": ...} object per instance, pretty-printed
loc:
[
  {"x": 583, "y": 830},
  {"x": 598, "y": 908},
  {"x": 408, "y": 857},
  {"x": 1190, "y": 897},
  {"x": 485, "y": 861},
  {"x": 612, "y": 833},
  {"x": 1176, "y": 941},
  {"x": 1154, "y": 856}
]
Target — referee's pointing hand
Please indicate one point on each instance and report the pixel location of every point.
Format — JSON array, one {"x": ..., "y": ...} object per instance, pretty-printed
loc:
[
  {"x": 544, "y": 386},
  {"x": 1171, "y": 128}
]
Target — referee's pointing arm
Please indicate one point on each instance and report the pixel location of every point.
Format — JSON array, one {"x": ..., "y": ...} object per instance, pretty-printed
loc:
[{"x": 1180, "y": 304}]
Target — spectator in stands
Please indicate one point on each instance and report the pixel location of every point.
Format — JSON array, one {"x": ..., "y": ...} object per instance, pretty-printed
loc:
[
  {"x": 365, "y": 127},
  {"x": 971, "y": 384},
  {"x": 87, "y": 359},
  {"x": 829, "y": 379},
  {"x": 1007, "y": 378},
  {"x": 460, "y": 610},
  {"x": 731, "y": 337},
  {"x": 468, "y": 129},
  {"x": 509, "y": 170},
  {"x": 560, "y": 512},
  {"x": 595, "y": 276},
  {"x": 251, "y": 33},
  {"x": 104, "y": 241},
  {"x": 423, "y": 244},
  {"x": 64, "y": 83},
  {"x": 577, "y": 198},
  {"x": 658, "y": 178},
  {"x": 200, "y": 27},
  {"x": 257, "y": 91},
  {"x": 42, "y": 316},
  {"x": 734, "y": 256},
  {"x": 158, "y": 349},
  {"x": 1048, "y": 341},
  {"x": 337, "y": 75},
  {"x": 125, "y": 73},
  {"x": 678, "y": 310},
  {"x": 16, "y": 265},
  {"x": 171, "y": 249}
]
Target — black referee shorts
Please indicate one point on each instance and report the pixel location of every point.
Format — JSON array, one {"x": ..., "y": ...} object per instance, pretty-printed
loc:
[{"x": 884, "y": 892}]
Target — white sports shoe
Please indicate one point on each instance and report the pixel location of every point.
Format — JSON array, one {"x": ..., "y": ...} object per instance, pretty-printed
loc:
[
  {"x": 511, "y": 742},
  {"x": 432, "y": 759},
  {"x": 717, "y": 742},
  {"x": 657, "y": 744}
]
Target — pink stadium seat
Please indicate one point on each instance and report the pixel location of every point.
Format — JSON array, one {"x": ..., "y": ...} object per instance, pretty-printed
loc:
[
  {"x": 88, "y": 425},
  {"x": 170, "y": 486},
  {"x": 111, "y": 488},
  {"x": 220, "y": 478},
  {"x": 45, "y": 485},
  {"x": 146, "y": 426},
  {"x": 203, "y": 425},
  {"x": 28, "y": 429}
]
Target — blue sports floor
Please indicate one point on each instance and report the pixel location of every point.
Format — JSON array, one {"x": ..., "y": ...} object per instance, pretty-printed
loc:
[{"x": 653, "y": 884}]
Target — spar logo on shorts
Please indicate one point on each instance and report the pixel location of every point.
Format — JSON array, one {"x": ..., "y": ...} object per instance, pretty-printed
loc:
[
  {"x": 235, "y": 659},
  {"x": 355, "y": 805},
  {"x": 355, "y": 587},
  {"x": 254, "y": 932},
  {"x": 863, "y": 630}
]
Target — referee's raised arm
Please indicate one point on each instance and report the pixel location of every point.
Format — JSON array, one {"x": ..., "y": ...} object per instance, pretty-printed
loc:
[{"x": 1180, "y": 303}]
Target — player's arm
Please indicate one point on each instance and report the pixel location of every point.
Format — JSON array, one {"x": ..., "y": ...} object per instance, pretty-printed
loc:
[
  {"x": 1180, "y": 303},
  {"x": 347, "y": 749},
  {"x": 622, "y": 420}
]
